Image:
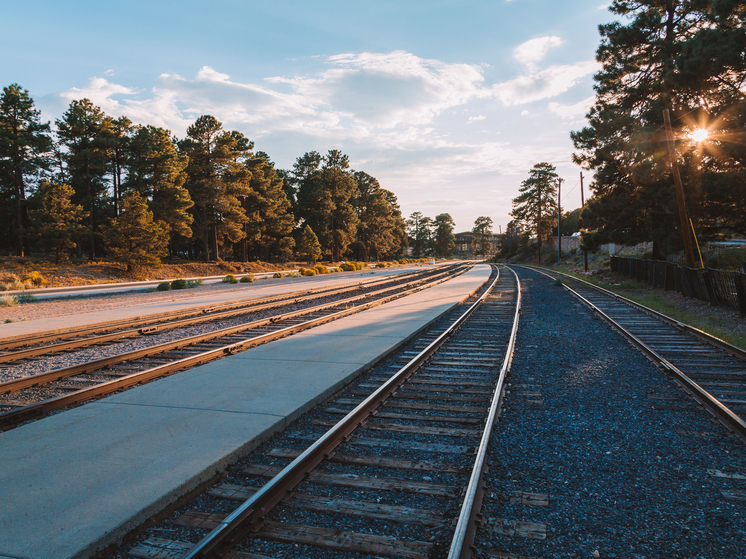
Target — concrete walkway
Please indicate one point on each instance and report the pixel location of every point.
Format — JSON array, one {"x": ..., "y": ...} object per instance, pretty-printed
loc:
[{"x": 77, "y": 481}]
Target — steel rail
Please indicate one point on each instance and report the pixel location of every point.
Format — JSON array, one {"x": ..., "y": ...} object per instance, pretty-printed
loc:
[
  {"x": 724, "y": 414},
  {"x": 210, "y": 314},
  {"x": 462, "y": 543},
  {"x": 250, "y": 515},
  {"x": 21, "y": 383},
  {"x": 20, "y": 341},
  {"x": 13, "y": 418},
  {"x": 704, "y": 336}
]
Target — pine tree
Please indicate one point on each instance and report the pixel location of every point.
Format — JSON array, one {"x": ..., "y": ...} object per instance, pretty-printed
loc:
[
  {"x": 217, "y": 179},
  {"x": 56, "y": 221},
  {"x": 157, "y": 172},
  {"x": 309, "y": 246},
  {"x": 444, "y": 238},
  {"x": 681, "y": 55},
  {"x": 24, "y": 153},
  {"x": 534, "y": 209},
  {"x": 419, "y": 231},
  {"x": 482, "y": 231},
  {"x": 83, "y": 131},
  {"x": 134, "y": 237},
  {"x": 270, "y": 221},
  {"x": 377, "y": 220}
]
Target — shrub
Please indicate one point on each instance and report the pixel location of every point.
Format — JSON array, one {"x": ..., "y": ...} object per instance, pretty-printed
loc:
[
  {"x": 321, "y": 269},
  {"x": 301, "y": 271},
  {"x": 164, "y": 286},
  {"x": 227, "y": 267},
  {"x": 309, "y": 272},
  {"x": 230, "y": 278},
  {"x": 277, "y": 275},
  {"x": 179, "y": 284},
  {"x": 194, "y": 283},
  {"x": 248, "y": 278},
  {"x": 294, "y": 275},
  {"x": 380, "y": 265},
  {"x": 8, "y": 300},
  {"x": 26, "y": 298},
  {"x": 347, "y": 266},
  {"x": 28, "y": 285},
  {"x": 36, "y": 278}
]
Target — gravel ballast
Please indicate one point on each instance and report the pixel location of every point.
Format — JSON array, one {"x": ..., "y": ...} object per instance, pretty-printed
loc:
[{"x": 621, "y": 452}]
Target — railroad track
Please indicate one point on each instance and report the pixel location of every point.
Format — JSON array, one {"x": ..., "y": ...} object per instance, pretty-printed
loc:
[
  {"x": 48, "y": 343},
  {"x": 32, "y": 396},
  {"x": 400, "y": 475},
  {"x": 710, "y": 370}
]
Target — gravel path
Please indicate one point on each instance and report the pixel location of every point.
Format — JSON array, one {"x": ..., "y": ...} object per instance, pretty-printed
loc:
[{"x": 623, "y": 456}]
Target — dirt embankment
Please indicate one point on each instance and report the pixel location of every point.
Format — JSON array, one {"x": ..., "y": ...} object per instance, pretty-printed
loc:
[{"x": 17, "y": 273}]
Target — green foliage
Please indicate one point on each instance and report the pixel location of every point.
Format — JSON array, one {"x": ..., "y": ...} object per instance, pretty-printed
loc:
[
  {"x": 444, "y": 241},
  {"x": 482, "y": 232},
  {"x": 217, "y": 178},
  {"x": 24, "y": 150},
  {"x": 686, "y": 57},
  {"x": 535, "y": 208},
  {"x": 326, "y": 190},
  {"x": 381, "y": 265},
  {"x": 26, "y": 298},
  {"x": 164, "y": 286},
  {"x": 277, "y": 275},
  {"x": 249, "y": 278},
  {"x": 179, "y": 284},
  {"x": 380, "y": 223},
  {"x": 309, "y": 246},
  {"x": 134, "y": 238},
  {"x": 420, "y": 233},
  {"x": 194, "y": 283},
  {"x": 56, "y": 220},
  {"x": 230, "y": 278}
]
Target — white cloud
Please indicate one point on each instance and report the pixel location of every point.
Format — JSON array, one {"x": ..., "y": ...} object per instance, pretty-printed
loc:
[
  {"x": 386, "y": 90},
  {"x": 524, "y": 112},
  {"x": 576, "y": 110},
  {"x": 533, "y": 51},
  {"x": 543, "y": 84},
  {"x": 109, "y": 72},
  {"x": 475, "y": 119}
]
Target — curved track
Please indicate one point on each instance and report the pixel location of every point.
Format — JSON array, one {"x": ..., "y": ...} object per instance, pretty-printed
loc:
[
  {"x": 711, "y": 371},
  {"x": 420, "y": 429}
]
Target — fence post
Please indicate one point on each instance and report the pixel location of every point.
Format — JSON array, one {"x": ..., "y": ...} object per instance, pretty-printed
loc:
[
  {"x": 710, "y": 290},
  {"x": 741, "y": 292},
  {"x": 669, "y": 283}
]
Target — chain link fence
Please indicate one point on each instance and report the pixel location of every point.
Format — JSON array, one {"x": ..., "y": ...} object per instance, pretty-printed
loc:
[{"x": 720, "y": 288}]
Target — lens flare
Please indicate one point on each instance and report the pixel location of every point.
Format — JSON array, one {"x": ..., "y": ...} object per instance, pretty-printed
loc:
[{"x": 699, "y": 135}]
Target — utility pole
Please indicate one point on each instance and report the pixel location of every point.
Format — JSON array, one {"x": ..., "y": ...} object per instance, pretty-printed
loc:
[
  {"x": 683, "y": 217},
  {"x": 559, "y": 221},
  {"x": 582, "y": 219}
]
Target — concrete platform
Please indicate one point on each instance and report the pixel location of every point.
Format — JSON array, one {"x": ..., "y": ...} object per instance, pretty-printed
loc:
[
  {"x": 75, "y": 482},
  {"x": 259, "y": 289}
]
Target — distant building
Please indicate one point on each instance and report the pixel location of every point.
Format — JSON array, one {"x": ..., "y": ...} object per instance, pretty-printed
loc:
[{"x": 464, "y": 243}]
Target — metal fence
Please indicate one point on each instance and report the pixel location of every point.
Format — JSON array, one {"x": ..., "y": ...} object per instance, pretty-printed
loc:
[{"x": 720, "y": 288}]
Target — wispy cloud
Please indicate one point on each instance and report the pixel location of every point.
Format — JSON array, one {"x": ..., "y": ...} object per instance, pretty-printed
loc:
[
  {"x": 475, "y": 119},
  {"x": 543, "y": 84},
  {"x": 533, "y": 51},
  {"x": 576, "y": 110}
]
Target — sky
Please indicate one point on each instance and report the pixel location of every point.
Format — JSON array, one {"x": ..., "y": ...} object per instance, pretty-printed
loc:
[{"x": 447, "y": 103}]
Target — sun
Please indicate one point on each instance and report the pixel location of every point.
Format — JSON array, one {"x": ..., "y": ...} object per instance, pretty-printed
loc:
[{"x": 699, "y": 135}]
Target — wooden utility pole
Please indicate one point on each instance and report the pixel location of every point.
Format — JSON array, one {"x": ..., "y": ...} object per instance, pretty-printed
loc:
[
  {"x": 683, "y": 217},
  {"x": 582, "y": 219},
  {"x": 559, "y": 221}
]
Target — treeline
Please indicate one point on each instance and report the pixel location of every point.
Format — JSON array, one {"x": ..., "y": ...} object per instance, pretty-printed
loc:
[
  {"x": 435, "y": 237},
  {"x": 102, "y": 186}
]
